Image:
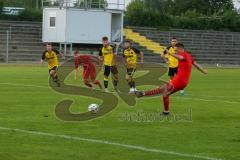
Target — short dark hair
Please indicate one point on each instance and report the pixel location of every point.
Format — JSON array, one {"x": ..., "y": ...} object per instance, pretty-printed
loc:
[
  {"x": 48, "y": 44},
  {"x": 174, "y": 38},
  {"x": 128, "y": 41},
  {"x": 76, "y": 52},
  {"x": 105, "y": 38},
  {"x": 180, "y": 45}
]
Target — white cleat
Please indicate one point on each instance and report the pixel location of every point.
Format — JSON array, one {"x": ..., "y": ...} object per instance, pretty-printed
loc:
[
  {"x": 106, "y": 90},
  {"x": 131, "y": 91},
  {"x": 182, "y": 93}
]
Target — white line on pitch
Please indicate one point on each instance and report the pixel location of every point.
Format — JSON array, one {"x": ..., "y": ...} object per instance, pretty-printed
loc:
[
  {"x": 208, "y": 100},
  {"x": 198, "y": 99},
  {"x": 23, "y": 85},
  {"x": 141, "y": 148}
]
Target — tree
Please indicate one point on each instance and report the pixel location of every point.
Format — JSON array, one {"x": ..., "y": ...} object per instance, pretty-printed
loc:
[
  {"x": 219, "y": 6},
  {"x": 190, "y": 14},
  {"x": 182, "y": 6},
  {"x": 1, "y": 6},
  {"x": 178, "y": 7}
]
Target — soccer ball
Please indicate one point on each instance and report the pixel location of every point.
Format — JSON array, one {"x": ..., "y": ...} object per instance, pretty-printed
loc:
[{"x": 93, "y": 108}]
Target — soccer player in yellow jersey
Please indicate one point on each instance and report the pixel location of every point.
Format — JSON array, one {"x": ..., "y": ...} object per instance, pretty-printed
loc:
[
  {"x": 130, "y": 55},
  {"x": 51, "y": 56},
  {"x": 107, "y": 56},
  {"x": 171, "y": 60}
]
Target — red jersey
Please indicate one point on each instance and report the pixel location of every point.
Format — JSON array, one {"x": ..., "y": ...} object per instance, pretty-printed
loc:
[
  {"x": 84, "y": 60},
  {"x": 184, "y": 71},
  {"x": 89, "y": 69}
]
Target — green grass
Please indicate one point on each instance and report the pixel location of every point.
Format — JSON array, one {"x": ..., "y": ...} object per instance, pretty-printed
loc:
[{"x": 213, "y": 132}]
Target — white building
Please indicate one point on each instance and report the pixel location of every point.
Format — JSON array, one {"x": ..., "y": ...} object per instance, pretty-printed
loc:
[{"x": 82, "y": 22}]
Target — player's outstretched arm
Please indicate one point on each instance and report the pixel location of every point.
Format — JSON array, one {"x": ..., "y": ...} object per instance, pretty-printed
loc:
[
  {"x": 164, "y": 56},
  {"x": 43, "y": 57},
  {"x": 100, "y": 62},
  {"x": 115, "y": 59},
  {"x": 177, "y": 56},
  {"x": 95, "y": 60},
  {"x": 124, "y": 60},
  {"x": 200, "y": 68}
]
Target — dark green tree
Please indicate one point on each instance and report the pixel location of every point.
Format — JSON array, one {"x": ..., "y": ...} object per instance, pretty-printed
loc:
[
  {"x": 220, "y": 6},
  {"x": 1, "y": 6}
]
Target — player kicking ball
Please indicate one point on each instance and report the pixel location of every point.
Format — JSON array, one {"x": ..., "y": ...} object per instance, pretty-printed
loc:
[
  {"x": 130, "y": 55},
  {"x": 179, "y": 82},
  {"x": 89, "y": 69},
  {"x": 51, "y": 56}
]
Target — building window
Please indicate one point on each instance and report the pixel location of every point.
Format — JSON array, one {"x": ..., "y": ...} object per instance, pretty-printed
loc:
[{"x": 52, "y": 22}]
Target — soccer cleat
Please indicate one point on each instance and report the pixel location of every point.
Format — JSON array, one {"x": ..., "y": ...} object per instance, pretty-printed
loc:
[
  {"x": 106, "y": 90},
  {"x": 165, "y": 113},
  {"x": 182, "y": 93},
  {"x": 139, "y": 94},
  {"x": 131, "y": 91}
]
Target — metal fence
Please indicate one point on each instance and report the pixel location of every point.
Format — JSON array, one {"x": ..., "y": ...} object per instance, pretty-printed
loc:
[{"x": 85, "y": 4}]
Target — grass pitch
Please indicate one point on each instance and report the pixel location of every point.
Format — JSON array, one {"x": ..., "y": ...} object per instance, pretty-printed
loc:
[{"x": 27, "y": 103}]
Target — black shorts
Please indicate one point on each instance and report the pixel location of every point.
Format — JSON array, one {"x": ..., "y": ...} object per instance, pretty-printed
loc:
[
  {"x": 110, "y": 69},
  {"x": 172, "y": 71},
  {"x": 53, "y": 69},
  {"x": 131, "y": 71}
]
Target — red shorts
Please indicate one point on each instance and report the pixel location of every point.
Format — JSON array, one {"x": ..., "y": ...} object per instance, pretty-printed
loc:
[
  {"x": 175, "y": 85},
  {"x": 89, "y": 72}
]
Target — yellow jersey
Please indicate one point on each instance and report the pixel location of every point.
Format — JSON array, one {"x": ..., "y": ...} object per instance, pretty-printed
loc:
[
  {"x": 131, "y": 57},
  {"x": 173, "y": 62},
  {"x": 51, "y": 58},
  {"x": 108, "y": 55}
]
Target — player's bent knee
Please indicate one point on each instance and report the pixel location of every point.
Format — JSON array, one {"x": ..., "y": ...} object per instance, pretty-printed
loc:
[
  {"x": 128, "y": 78},
  {"x": 115, "y": 78},
  {"x": 52, "y": 73}
]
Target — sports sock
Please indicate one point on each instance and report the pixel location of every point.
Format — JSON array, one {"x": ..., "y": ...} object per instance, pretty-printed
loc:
[
  {"x": 131, "y": 84},
  {"x": 105, "y": 82},
  {"x": 115, "y": 83},
  {"x": 55, "y": 78},
  {"x": 87, "y": 84},
  {"x": 153, "y": 92},
  {"x": 166, "y": 103}
]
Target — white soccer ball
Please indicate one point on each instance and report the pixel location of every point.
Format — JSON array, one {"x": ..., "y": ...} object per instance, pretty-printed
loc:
[{"x": 93, "y": 108}]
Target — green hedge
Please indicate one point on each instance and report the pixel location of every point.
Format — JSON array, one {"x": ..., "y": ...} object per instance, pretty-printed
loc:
[
  {"x": 227, "y": 22},
  {"x": 138, "y": 14}
]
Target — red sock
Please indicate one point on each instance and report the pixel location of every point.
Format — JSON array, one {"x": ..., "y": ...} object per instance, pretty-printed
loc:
[
  {"x": 153, "y": 92},
  {"x": 166, "y": 103},
  {"x": 87, "y": 83},
  {"x": 97, "y": 82}
]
